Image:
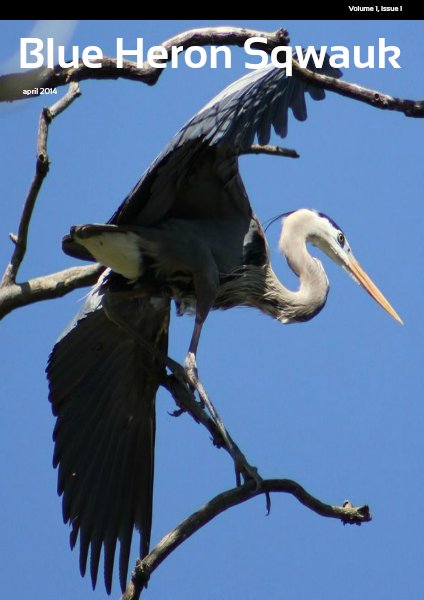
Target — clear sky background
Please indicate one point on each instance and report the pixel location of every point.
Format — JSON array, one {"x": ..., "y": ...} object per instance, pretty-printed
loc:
[{"x": 335, "y": 404}]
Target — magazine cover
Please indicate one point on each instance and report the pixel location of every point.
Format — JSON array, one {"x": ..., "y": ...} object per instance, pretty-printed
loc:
[{"x": 211, "y": 303}]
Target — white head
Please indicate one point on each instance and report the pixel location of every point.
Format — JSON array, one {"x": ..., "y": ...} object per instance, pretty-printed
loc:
[{"x": 306, "y": 225}]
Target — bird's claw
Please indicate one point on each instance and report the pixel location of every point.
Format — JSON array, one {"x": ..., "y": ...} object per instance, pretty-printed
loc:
[
  {"x": 248, "y": 472},
  {"x": 177, "y": 412}
]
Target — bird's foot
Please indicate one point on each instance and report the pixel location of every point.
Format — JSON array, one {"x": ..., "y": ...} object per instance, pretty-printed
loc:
[
  {"x": 250, "y": 473},
  {"x": 247, "y": 471}
]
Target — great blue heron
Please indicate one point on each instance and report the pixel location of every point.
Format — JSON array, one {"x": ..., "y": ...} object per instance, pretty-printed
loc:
[{"x": 186, "y": 232}]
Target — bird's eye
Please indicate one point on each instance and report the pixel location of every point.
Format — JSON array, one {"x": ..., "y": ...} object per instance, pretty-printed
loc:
[{"x": 341, "y": 239}]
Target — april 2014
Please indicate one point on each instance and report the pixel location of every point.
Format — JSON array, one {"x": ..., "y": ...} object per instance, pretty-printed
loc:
[{"x": 39, "y": 91}]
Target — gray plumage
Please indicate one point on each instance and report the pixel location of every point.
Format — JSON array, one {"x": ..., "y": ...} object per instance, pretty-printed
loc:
[{"x": 185, "y": 232}]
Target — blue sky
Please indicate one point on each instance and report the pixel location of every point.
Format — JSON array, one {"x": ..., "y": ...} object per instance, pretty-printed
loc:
[{"x": 335, "y": 404}]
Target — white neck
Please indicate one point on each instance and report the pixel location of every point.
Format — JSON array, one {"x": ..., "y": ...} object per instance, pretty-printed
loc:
[{"x": 311, "y": 296}]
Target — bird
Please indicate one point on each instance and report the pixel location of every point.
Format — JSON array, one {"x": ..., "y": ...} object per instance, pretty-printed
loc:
[{"x": 187, "y": 234}]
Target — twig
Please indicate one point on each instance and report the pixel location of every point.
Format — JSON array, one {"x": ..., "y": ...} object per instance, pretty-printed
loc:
[
  {"x": 41, "y": 170},
  {"x": 347, "y": 513},
  {"x": 186, "y": 403},
  {"x": 273, "y": 150},
  {"x": 410, "y": 108}
]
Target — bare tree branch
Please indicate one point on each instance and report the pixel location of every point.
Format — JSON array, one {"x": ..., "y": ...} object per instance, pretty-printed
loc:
[
  {"x": 410, "y": 108},
  {"x": 13, "y": 295},
  {"x": 272, "y": 150},
  {"x": 186, "y": 402},
  {"x": 47, "y": 287},
  {"x": 347, "y": 513},
  {"x": 12, "y": 86},
  {"x": 41, "y": 170}
]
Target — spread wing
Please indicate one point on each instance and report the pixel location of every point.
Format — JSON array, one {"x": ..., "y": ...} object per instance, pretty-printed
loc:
[
  {"x": 247, "y": 109},
  {"x": 102, "y": 389}
]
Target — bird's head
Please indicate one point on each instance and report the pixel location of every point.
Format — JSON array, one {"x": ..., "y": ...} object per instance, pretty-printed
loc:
[{"x": 306, "y": 225}]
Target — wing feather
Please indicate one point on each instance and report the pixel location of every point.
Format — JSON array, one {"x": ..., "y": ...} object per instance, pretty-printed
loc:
[
  {"x": 246, "y": 109},
  {"x": 102, "y": 390}
]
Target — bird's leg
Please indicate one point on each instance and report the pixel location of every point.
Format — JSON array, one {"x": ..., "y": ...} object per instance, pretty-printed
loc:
[
  {"x": 240, "y": 462},
  {"x": 204, "y": 302},
  {"x": 189, "y": 374}
]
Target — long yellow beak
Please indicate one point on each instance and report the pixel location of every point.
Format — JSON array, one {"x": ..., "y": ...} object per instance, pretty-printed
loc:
[{"x": 372, "y": 289}]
